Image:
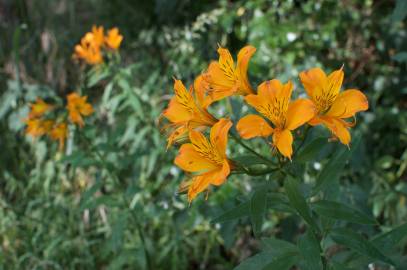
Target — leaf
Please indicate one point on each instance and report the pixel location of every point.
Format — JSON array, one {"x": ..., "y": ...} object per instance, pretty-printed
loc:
[
  {"x": 400, "y": 11},
  {"x": 390, "y": 239},
  {"x": 284, "y": 262},
  {"x": 249, "y": 160},
  {"x": 298, "y": 202},
  {"x": 257, "y": 208},
  {"x": 400, "y": 57},
  {"x": 310, "y": 150},
  {"x": 279, "y": 202},
  {"x": 278, "y": 247},
  {"x": 257, "y": 261},
  {"x": 87, "y": 195},
  {"x": 310, "y": 251},
  {"x": 358, "y": 243},
  {"x": 332, "y": 170},
  {"x": 336, "y": 210},
  {"x": 242, "y": 210}
]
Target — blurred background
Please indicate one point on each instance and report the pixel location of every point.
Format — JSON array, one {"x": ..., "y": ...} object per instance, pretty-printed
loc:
[{"x": 61, "y": 212}]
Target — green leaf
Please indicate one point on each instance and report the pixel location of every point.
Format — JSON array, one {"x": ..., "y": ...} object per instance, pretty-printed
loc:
[
  {"x": 336, "y": 210},
  {"x": 279, "y": 202},
  {"x": 298, "y": 202},
  {"x": 310, "y": 251},
  {"x": 358, "y": 243},
  {"x": 258, "y": 261},
  {"x": 332, "y": 170},
  {"x": 400, "y": 11},
  {"x": 284, "y": 262},
  {"x": 391, "y": 238},
  {"x": 257, "y": 208},
  {"x": 310, "y": 150},
  {"x": 249, "y": 160},
  {"x": 240, "y": 211},
  {"x": 278, "y": 247}
]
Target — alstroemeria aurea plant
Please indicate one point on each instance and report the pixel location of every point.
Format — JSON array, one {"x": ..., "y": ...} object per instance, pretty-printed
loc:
[
  {"x": 77, "y": 108},
  {"x": 333, "y": 106},
  {"x": 188, "y": 110},
  {"x": 39, "y": 108},
  {"x": 273, "y": 102},
  {"x": 226, "y": 78},
  {"x": 206, "y": 159}
]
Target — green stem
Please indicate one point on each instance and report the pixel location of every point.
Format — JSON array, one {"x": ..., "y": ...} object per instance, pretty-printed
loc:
[
  {"x": 239, "y": 141},
  {"x": 133, "y": 213},
  {"x": 304, "y": 138}
]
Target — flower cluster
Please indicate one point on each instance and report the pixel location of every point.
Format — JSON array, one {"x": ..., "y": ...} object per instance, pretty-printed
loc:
[
  {"x": 44, "y": 119},
  {"x": 206, "y": 160},
  {"x": 95, "y": 43}
]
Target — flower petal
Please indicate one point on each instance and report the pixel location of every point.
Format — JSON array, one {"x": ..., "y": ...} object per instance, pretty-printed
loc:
[
  {"x": 190, "y": 160},
  {"x": 338, "y": 127},
  {"x": 219, "y": 135},
  {"x": 313, "y": 81},
  {"x": 252, "y": 126},
  {"x": 283, "y": 140},
  {"x": 299, "y": 112},
  {"x": 243, "y": 58},
  {"x": 348, "y": 103}
]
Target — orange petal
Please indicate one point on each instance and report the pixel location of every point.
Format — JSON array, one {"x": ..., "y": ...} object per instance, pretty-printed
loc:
[
  {"x": 348, "y": 103},
  {"x": 283, "y": 140},
  {"x": 201, "y": 88},
  {"x": 243, "y": 58},
  {"x": 190, "y": 160},
  {"x": 338, "y": 127},
  {"x": 313, "y": 81},
  {"x": 252, "y": 126},
  {"x": 180, "y": 132},
  {"x": 299, "y": 112},
  {"x": 219, "y": 135},
  {"x": 176, "y": 112},
  {"x": 334, "y": 82}
]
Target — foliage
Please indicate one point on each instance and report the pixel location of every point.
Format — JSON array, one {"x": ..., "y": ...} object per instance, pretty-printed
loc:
[{"x": 109, "y": 200}]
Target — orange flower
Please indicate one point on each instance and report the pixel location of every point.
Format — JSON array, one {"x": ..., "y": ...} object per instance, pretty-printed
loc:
[
  {"x": 60, "y": 132},
  {"x": 333, "y": 106},
  {"x": 98, "y": 35},
  {"x": 113, "y": 38},
  {"x": 89, "y": 49},
  {"x": 38, "y": 127},
  {"x": 273, "y": 102},
  {"x": 39, "y": 108},
  {"x": 225, "y": 78},
  {"x": 78, "y": 107},
  {"x": 188, "y": 109},
  {"x": 206, "y": 158}
]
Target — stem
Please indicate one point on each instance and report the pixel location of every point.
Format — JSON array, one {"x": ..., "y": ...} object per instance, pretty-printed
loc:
[
  {"x": 304, "y": 138},
  {"x": 239, "y": 141},
  {"x": 133, "y": 213}
]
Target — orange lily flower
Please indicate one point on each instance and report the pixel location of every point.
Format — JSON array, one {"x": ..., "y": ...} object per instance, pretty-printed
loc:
[
  {"x": 113, "y": 38},
  {"x": 206, "y": 158},
  {"x": 78, "y": 107},
  {"x": 273, "y": 102},
  {"x": 39, "y": 108},
  {"x": 188, "y": 109},
  {"x": 333, "y": 106},
  {"x": 89, "y": 49},
  {"x": 38, "y": 127},
  {"x": 98, "y": 35},
  {"x": 227, "y": 79},
  {"x": 60, "y": 132}
]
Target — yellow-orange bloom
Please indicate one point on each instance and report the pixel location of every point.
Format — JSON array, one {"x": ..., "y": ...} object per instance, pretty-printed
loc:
[
  {"x": 188, "y": 110},
  {"x": 225, "y": 78},
  {"x": 113, "y": 38},
  {"x": 89, "y": 49},
  {"x": 273, "y": 102},
  {"x": 38, "y": 127},
  {"x": 98, "y": 35},
  {"x": 78, "y": 107},
  {"x": 206, "y": 159},
  {"x": 59, "y": 132},
  {"x": 39, "y": 108},
  {"x": 333, "y": 106}
]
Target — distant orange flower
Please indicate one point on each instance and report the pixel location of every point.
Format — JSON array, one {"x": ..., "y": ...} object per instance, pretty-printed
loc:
[
  {"x": 98, "y": 35},
  {"x": 187, "y": 109},
  {"x": 113, "y": 38},
  {"x": 89, "y": 49},
  {"x": 39, "y": 108},
  {"x": 333, "y": 106},
  {"x": 226, "y": 78},
  {"x": 78, "y": 107},
  {"x": 38, "y": 127},
  {"x": 273, "y": 101},
  {"x": 60, "y": 132},
  {"x": 206, "y": 158}
]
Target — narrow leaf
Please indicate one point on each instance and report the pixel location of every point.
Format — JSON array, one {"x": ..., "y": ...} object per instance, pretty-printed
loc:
[
  {"x": 390, "y": 239},
  {"x": 240, "y": 211},
  {"x": 358, "y": 243},
  {"x": 310, "y": 150},
  {"x": 284, "y": 262},
  {"x": 257, "y": 208},
  {"x": 310, "y": 251},
  {"x": 278, "y": 247},
  {"x": 298, "y": 202},
  {"x": 336, "y": 210},
  {"x": 258, "y": 261}
]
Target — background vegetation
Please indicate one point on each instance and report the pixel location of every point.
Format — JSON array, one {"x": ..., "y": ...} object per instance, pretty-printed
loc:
[{"x": 65, "y": 211}]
